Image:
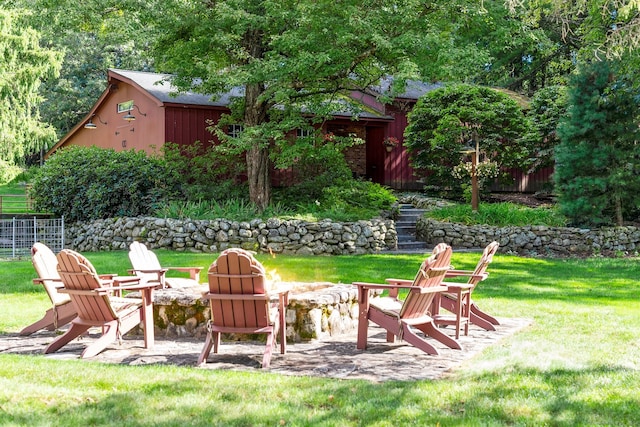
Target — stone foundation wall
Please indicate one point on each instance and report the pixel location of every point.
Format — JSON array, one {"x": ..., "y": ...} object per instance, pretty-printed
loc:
[
  {"x": 533, "y": 240},
  {"x": 272, "y": 236}
]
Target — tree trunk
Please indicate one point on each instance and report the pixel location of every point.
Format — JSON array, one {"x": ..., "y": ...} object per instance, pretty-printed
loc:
[
  {"x": 258, "y": 164},
  {"x": 259, "y": 175},
  {"x": 619, "y": 216}
]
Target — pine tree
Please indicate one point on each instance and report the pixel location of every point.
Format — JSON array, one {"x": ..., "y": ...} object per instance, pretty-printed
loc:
[{"x": 598, "y": 159}]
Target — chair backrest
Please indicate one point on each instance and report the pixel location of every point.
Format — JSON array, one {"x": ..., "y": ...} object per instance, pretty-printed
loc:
[
  {"x": 78, "y": 274},
  {"x": 143, "y": 259},
  {"x": 46, "y": 265},
  {"x": 236, "y": 272},
  {"x": 486, "y": 259},
  {"x": 430, "y": 274}
]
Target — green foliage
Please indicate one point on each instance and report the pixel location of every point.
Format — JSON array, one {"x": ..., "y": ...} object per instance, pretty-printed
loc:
[
  {"x": 231, "y": 209},
  {"x": 548, "y": 106},
  {"x": 99, "y": 35},
  {"x": 203, "y": 172},
  {"x": 24, "y": 64},
  {"x": 89, "y": 183},
  {"x": 443, "y": 121},
  {"x": 8, "y": 172},
  {"x": 598, "y": 159},
  {"x": 499, "y": 215},
  {"x": 317, "y": 166}
]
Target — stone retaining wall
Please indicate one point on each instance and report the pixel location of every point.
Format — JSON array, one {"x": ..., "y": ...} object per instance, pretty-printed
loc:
[
  {"x": 273, "y": 235},
  {"x": 533, "y": 240}
]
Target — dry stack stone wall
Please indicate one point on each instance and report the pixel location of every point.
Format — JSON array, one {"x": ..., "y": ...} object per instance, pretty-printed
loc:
[{"x": 273, "y": 235}]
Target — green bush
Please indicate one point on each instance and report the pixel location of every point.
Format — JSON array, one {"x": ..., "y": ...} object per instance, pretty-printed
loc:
[
  {"x": 89, "y": 183},
  {"x": 204, "y": 173},
  {"x": 499, "y": 215}
]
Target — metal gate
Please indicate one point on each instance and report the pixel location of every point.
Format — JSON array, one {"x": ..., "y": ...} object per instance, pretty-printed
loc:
[{"x": 17, "y": 235}]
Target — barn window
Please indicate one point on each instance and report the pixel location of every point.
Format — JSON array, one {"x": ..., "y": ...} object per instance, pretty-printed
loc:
[{"x": 234, "y": 131}]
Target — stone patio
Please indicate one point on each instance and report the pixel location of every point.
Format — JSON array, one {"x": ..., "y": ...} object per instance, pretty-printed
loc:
[{"x": 331, "y": 357}]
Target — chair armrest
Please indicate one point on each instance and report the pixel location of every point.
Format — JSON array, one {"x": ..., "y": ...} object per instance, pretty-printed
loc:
[
  {"x": 429, "y": 290},
  {"x": 458, "y": 273},
  {"x": 388, "y": 286},
  {"x": 405, "y": 282},
  {"x": 454, "y": 287},
  {"x": 194, "y": 272},
  {"x": 41, "y": 280},
  {"x": 155, "y": 270}
]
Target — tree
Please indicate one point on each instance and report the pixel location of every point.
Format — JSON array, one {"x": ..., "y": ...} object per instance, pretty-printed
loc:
[
  {"x": 445, "y": 119},
  {"x": 291, "y": 58},
  {"x": 24, "y": 65},
  {"x": 100, "y": 34},
  {"x": 598, "y": 159}
]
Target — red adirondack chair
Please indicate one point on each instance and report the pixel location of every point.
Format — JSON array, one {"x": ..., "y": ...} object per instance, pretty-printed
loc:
[
  {"x": 401, "y": 318},
  {"x": 97, "y": 307},
  {"x": 458, "y": 301},
  {"x": 146, "y": 265},
  {"x": 241, "y": 302}
]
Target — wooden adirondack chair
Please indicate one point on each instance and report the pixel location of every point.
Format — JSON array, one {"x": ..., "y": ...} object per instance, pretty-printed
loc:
[
  {"x": 402, "y": 318},
  {"x": 97, "y": 307},
  {"x": 457, "y": 299},
  {"x": 146, "y": 265},
  {"x": 241, "y": 302},
  {"x": 63, "y": 311}
]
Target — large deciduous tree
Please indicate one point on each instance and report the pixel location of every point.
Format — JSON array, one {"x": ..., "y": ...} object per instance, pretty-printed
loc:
[
  {"x": 24, "y": 64},
  {"x": 291, "y": 58}
]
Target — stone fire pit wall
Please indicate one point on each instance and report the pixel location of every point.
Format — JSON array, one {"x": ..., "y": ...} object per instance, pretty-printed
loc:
[
  {"x": 315, "y": 310},
  {"x": 210, "y": 236}
]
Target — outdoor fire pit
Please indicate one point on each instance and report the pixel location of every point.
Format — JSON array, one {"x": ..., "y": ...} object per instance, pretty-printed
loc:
[{"x": 315, "y": 310}]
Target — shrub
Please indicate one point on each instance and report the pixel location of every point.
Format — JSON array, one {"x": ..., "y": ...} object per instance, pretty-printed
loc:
[
  {"x": 499, "y": 215},
  {"x": 204, "y": 173},
  {"x": 89, "y": 183}
]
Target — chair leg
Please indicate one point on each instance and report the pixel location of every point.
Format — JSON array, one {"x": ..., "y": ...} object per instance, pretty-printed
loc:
[
  {"x": 109, "y": 335},
  {"x": 412, "y": 338},
  {"x": 268, "y": 351},
  {"x": 479, "y": 313},
  {"x": 66, "y": 313},
  {"x": 431, "y": 330},
  {"x": 74, "y": 331},
  {"x": 208, "y": 343},
  {"x": 479, "y": 321}
]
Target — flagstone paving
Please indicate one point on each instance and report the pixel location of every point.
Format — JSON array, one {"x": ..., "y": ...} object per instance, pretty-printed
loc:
[{"x": 335, "y": 357}]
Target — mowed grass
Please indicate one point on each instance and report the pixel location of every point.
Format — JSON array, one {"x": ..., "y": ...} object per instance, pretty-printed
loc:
[{"x": 577, "y": 364}]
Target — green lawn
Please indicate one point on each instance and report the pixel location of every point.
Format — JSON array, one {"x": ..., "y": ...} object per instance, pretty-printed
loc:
[{"x": 578, "y": 364}]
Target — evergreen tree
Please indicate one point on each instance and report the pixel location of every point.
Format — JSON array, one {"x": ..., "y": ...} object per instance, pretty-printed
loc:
[{"x": 598, "y": 159}]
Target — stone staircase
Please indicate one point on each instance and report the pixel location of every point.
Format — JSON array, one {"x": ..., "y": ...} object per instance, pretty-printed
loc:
[{"x": 406, "y": 229}]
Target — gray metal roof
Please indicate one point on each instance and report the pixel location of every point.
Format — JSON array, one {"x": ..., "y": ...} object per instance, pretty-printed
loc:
[{"x": 160, "y": 87}]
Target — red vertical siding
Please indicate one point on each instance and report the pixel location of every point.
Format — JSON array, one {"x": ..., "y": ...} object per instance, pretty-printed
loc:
[
  {"x": 399, "y": 174},
  {"x": 187, "y": 125}
]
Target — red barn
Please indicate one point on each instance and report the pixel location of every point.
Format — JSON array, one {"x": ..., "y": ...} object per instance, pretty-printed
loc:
[{"x": 142, "y": 111}]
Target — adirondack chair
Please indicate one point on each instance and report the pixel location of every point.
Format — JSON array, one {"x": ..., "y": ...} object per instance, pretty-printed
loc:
[
  {"x": 62, "y": 312},
  {"x": 457, "y": 299},
  {"x": 97, "y": 307},
  {"x": 401, "y": 318},
  {"x": 146, "y": 265},
  {"x": 241, "y": 302}
]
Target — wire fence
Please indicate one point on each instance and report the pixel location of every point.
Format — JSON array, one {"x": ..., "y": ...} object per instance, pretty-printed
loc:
[{"x": 17, "y": 235}]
